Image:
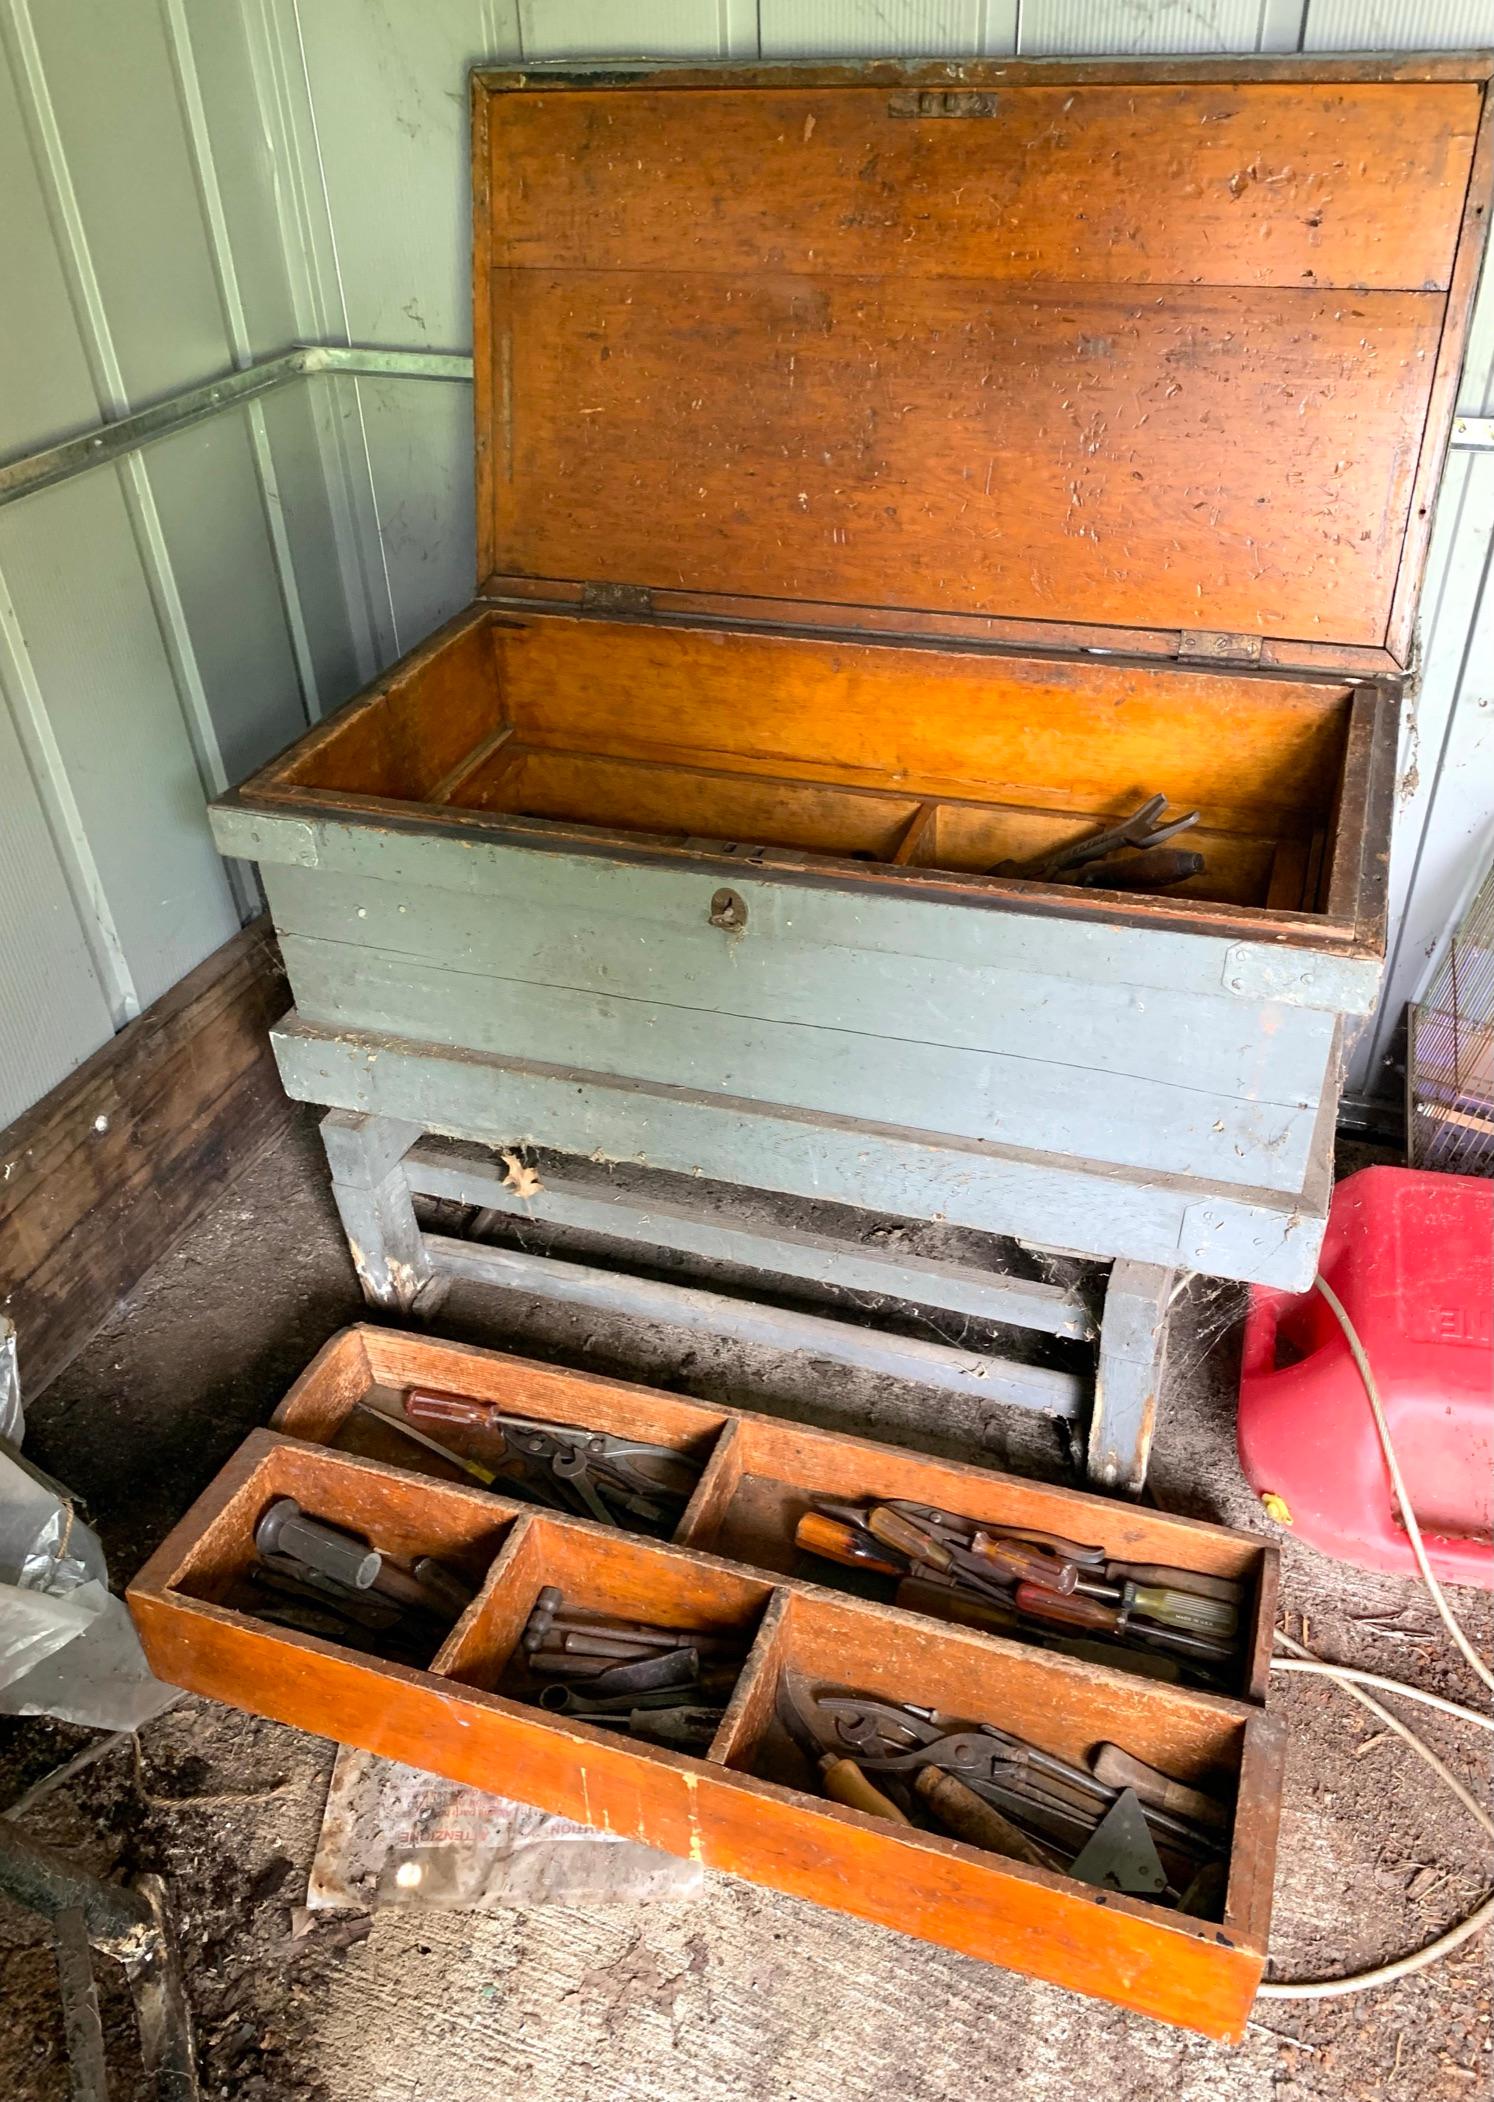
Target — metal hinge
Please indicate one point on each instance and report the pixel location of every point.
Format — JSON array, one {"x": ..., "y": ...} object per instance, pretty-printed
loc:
[
  {"x": 941, "y": 103},
  {"x": 616, "y": 598},
  {"x": 1217, "y": 647}
]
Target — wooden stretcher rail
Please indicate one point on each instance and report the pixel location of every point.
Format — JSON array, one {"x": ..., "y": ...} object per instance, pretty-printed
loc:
[{"x": 738, "y": 1807}]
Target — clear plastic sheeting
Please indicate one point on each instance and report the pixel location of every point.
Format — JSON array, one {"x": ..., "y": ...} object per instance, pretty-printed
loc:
[
  {"x": 393, "y": 1835},
  {"x": 12, "y": 1422},
  {"x": 67, "y": 1646}
]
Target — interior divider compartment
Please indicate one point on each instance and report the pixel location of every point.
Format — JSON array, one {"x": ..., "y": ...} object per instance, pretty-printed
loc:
[
  {"x": 378, "y": 1366},
  {"x": 740, "y": 1806},
  {"x": 764, "y": 1476},
  {"x": 405, "y": 1519},
  {"x": 952, "y": 761},
  {"x": 598, "y": 1572},
  {"x": 1054, "y": 1704}
]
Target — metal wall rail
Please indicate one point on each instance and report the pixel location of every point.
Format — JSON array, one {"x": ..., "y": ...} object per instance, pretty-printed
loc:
[{"x": 178, "y": 412}]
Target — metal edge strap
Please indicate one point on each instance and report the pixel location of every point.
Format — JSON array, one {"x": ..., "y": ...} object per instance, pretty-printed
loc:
[{"x": 31, "y": 472}]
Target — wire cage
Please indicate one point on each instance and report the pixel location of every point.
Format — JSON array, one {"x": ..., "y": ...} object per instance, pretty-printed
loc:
[{"x": 1450, "y": 1052}]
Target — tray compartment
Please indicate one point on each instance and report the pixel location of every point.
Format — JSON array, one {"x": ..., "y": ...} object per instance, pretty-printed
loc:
[
  {"x": 911, "y": 760},
  {"x": 597, "y": 1572},
  {"x": 729, "y": 1808},
  {"x": 764, "y": 1473},
  {"x": 1127, "y": 1949},
  {"x": 398, "y": 1516},
  {"x": 378, "y": 1366}
]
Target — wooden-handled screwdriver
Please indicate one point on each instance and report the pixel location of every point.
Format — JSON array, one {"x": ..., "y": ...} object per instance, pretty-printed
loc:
[
  {"x": 1096, "y": 1616},
  {"x": 835, "y": 1541}
]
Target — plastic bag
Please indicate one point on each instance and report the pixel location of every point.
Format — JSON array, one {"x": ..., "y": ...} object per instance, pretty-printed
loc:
[
  {"x": 394, "y": 1836},
  {"x": 67, "y": 1646}
]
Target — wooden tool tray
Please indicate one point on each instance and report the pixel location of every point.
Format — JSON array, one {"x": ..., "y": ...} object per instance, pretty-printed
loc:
[
  {"x": 759, "y": 1471},
  {"x": 743, "y": 1805}
]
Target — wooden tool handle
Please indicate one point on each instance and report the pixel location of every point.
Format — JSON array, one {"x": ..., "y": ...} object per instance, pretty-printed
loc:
[
  {"x": 962, "y": 1812},
  {"x": 1075, "y": 1611},
  {"x": 1121, "y": 1769},
  {"x": 846, "y": 1783},
  {"x": 893, "y": 1530},
  {"x": 1024, "y": 1563},
  {"x": 818, "y": 1535}
]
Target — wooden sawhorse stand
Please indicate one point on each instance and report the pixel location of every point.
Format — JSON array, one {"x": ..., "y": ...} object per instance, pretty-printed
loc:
[{"x": 380, "y": 1165}]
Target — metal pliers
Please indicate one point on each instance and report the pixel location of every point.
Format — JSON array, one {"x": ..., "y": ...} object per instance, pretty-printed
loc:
[
  {"x": 1062, "y": 1801},
  {"x": 598, "y": 1472},
  {"x": 1136, "y": 834}
]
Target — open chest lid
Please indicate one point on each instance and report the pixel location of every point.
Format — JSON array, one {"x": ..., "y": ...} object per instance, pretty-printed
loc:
[{"x": 1156, "y": 358}]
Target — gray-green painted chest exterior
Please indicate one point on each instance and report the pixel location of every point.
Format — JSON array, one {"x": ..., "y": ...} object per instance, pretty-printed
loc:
[{"x": 1117, "y": 1091}]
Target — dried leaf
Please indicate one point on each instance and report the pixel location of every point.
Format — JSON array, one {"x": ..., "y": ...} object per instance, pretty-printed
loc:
[{"x": 521, "y": 1178}]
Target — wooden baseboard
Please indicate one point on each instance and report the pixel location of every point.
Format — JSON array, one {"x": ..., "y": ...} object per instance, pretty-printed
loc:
[{"x": 110, "y": 1169}]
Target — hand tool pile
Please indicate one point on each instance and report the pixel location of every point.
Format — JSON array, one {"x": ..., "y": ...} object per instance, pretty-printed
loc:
[
  {"x": 1172, "y": 1623},
  {"x": 324, "y": 1581},
  {"x": 669, "y": 1686},
  {"x": 1117, "y": 1823},
  {"x": 1129, "y": 855},
  {"x": 623, "y": 1482}
]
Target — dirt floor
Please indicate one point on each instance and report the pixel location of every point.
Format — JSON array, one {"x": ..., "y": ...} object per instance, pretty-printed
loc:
[{"x": 738, "y": 1993}]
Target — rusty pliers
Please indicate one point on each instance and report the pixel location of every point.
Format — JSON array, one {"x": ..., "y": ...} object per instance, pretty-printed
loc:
[{"x": 1112, "y": 851}]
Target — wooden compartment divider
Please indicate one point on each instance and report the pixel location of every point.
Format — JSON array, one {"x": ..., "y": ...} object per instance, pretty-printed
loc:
[
  {"x": 759, "y": 1471},
  {"x": 746, "y": 1804}
]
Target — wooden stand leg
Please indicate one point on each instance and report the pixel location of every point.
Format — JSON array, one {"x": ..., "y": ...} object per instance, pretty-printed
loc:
[
  {"x": 1128, "y": 1377},
  {"x": 377, "y": 1210}
]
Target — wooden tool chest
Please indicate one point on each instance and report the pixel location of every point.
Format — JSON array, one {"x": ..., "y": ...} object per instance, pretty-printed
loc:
[
  {"x": 745, "y": 1804},
  {"x": 885, "y": 475}
]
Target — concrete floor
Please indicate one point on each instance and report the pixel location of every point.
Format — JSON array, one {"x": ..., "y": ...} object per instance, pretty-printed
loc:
[{"x": 739, "y": 1993}]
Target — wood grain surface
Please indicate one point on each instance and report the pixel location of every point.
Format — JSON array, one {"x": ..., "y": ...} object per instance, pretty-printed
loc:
[
  {"x": 110, "y": 1169},
  {"x": 720, "y": 1809},
  {"x": 1141, "y": 353},
  {"x": 758, "y": 1471}
]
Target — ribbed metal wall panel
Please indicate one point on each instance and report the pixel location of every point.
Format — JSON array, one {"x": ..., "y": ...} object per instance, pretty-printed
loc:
[
  {"x": 153, "y": 642},
  {"x": 187, "y": 189},
  {"x": 1048, "y": 28},
  {"x": 1398, "y": 25},
  {"x": 51, "y": 1001},
  {"x": 940, "y": 28}
]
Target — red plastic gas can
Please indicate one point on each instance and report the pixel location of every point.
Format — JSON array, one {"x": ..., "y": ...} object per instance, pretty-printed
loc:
[{"x": 1411, "y": 1256}]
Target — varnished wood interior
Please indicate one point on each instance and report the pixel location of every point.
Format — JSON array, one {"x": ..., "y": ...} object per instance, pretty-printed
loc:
[
  {"x": 763, "y": 1477},
  {"x": 759, "y": 1472},
  {"x": 1061, "y": 1707},
  {"x": 718, "y": 1809},
  {"x": 822, "y": 1645},
  {"x": 807, "y": 340},
  {"x": 378, "y": 1366},
  {"x": 902, "y": 757},
  {"x": 597, "y": 1572},
  {"x": 405, "y": 1519}
]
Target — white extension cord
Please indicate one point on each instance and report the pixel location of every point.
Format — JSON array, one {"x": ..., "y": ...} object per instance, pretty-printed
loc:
[{"x": 1354, "y": 1682}]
